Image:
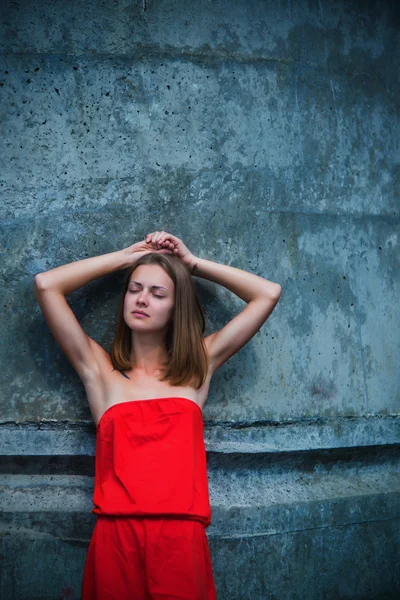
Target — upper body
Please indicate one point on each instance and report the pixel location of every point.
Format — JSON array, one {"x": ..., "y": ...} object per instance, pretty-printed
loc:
[
  {"x": 152, "y": 288},
  {"x": 108, "y": 387}
]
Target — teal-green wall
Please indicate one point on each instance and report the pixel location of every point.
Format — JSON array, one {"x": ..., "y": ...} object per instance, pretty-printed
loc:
[{"x": 266, "y": 136}]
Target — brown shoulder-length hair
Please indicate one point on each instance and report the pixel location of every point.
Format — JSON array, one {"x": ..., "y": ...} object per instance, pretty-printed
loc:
[{"x": 187, "y": 361}]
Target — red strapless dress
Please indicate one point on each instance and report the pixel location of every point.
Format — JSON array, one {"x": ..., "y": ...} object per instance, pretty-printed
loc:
[{"x": 151, "y": 460}]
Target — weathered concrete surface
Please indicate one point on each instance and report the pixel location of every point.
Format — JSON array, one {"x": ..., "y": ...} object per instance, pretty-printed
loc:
[
  {"x": 79, "y": 439},
  {"x": 292, "y": 146},
  {"x": 265, "y": 135},
  {"x": 329, "y": 349},
  {"x": 284, "y": 525}
]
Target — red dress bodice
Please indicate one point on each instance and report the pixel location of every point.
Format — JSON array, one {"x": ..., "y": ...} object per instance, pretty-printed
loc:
[{"x": 151, "y": 460}]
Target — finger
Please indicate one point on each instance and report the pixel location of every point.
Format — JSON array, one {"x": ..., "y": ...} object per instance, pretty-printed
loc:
[
  {"x": 171, "y": 239},
  {"x": 162, "y": 237},
  {"x": 175, "y": 240},
  {"x": 154, "y": 237}
]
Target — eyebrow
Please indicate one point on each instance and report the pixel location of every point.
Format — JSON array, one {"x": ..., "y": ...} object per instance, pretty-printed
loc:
[{"x": 157, "y": 287}]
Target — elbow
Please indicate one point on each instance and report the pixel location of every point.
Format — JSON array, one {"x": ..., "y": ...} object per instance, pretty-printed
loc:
[
  {"x": 38, "y": 281},
  {"x": 275, "y": 292},
  {"x": 272, "y": 292}
]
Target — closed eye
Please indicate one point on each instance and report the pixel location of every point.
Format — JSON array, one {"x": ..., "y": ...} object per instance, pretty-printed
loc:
[{"x": 156, "y": 295}]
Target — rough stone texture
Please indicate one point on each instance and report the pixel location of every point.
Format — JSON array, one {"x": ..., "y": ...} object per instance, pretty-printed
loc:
[{"x": 266, "y": 136}]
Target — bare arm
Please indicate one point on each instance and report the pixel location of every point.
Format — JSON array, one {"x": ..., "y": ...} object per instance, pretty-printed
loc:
[
  {"x": 261, "y": 296},
  {"x": 242, "y": 283},
  {"x": 52, "y": 286},
  {"x": 72, "y": 276}
]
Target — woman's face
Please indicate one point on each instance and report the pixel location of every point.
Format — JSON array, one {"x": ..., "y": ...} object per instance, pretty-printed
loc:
[{"x": 150, "y": 290}]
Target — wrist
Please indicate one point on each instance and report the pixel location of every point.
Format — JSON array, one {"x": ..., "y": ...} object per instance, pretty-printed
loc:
[
  {"x": 129, "y": 256},
  {"x": 193, "y": 265}
]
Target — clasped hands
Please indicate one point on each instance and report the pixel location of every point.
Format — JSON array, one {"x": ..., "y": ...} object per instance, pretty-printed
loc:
[{"x": 164, "y": 243}]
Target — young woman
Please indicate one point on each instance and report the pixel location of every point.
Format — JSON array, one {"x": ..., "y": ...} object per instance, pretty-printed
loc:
[{"x": 146, "y": 397}]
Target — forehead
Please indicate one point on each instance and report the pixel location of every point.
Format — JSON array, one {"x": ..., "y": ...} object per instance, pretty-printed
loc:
[{"x": 149, "y": 275}]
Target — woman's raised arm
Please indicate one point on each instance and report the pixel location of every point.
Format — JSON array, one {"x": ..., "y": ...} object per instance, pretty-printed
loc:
[
  {"x": 51, "y": 287},
  {"x": 67, "y": 278},
  {"x": 260, "y": 294}
]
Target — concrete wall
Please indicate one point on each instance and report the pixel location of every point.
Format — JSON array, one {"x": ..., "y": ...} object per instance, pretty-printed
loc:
[{"x": 266, "y": 136}]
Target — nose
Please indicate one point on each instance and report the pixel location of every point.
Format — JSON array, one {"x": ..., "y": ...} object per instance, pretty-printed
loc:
[{"x": 142, "y": 299}]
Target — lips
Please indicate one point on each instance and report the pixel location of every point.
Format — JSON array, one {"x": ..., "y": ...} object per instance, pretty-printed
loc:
[{"x": 139, "y": 312}]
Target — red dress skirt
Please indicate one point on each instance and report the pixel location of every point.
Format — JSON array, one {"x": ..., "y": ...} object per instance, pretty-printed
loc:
[{"x": 152, "y": 504}]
